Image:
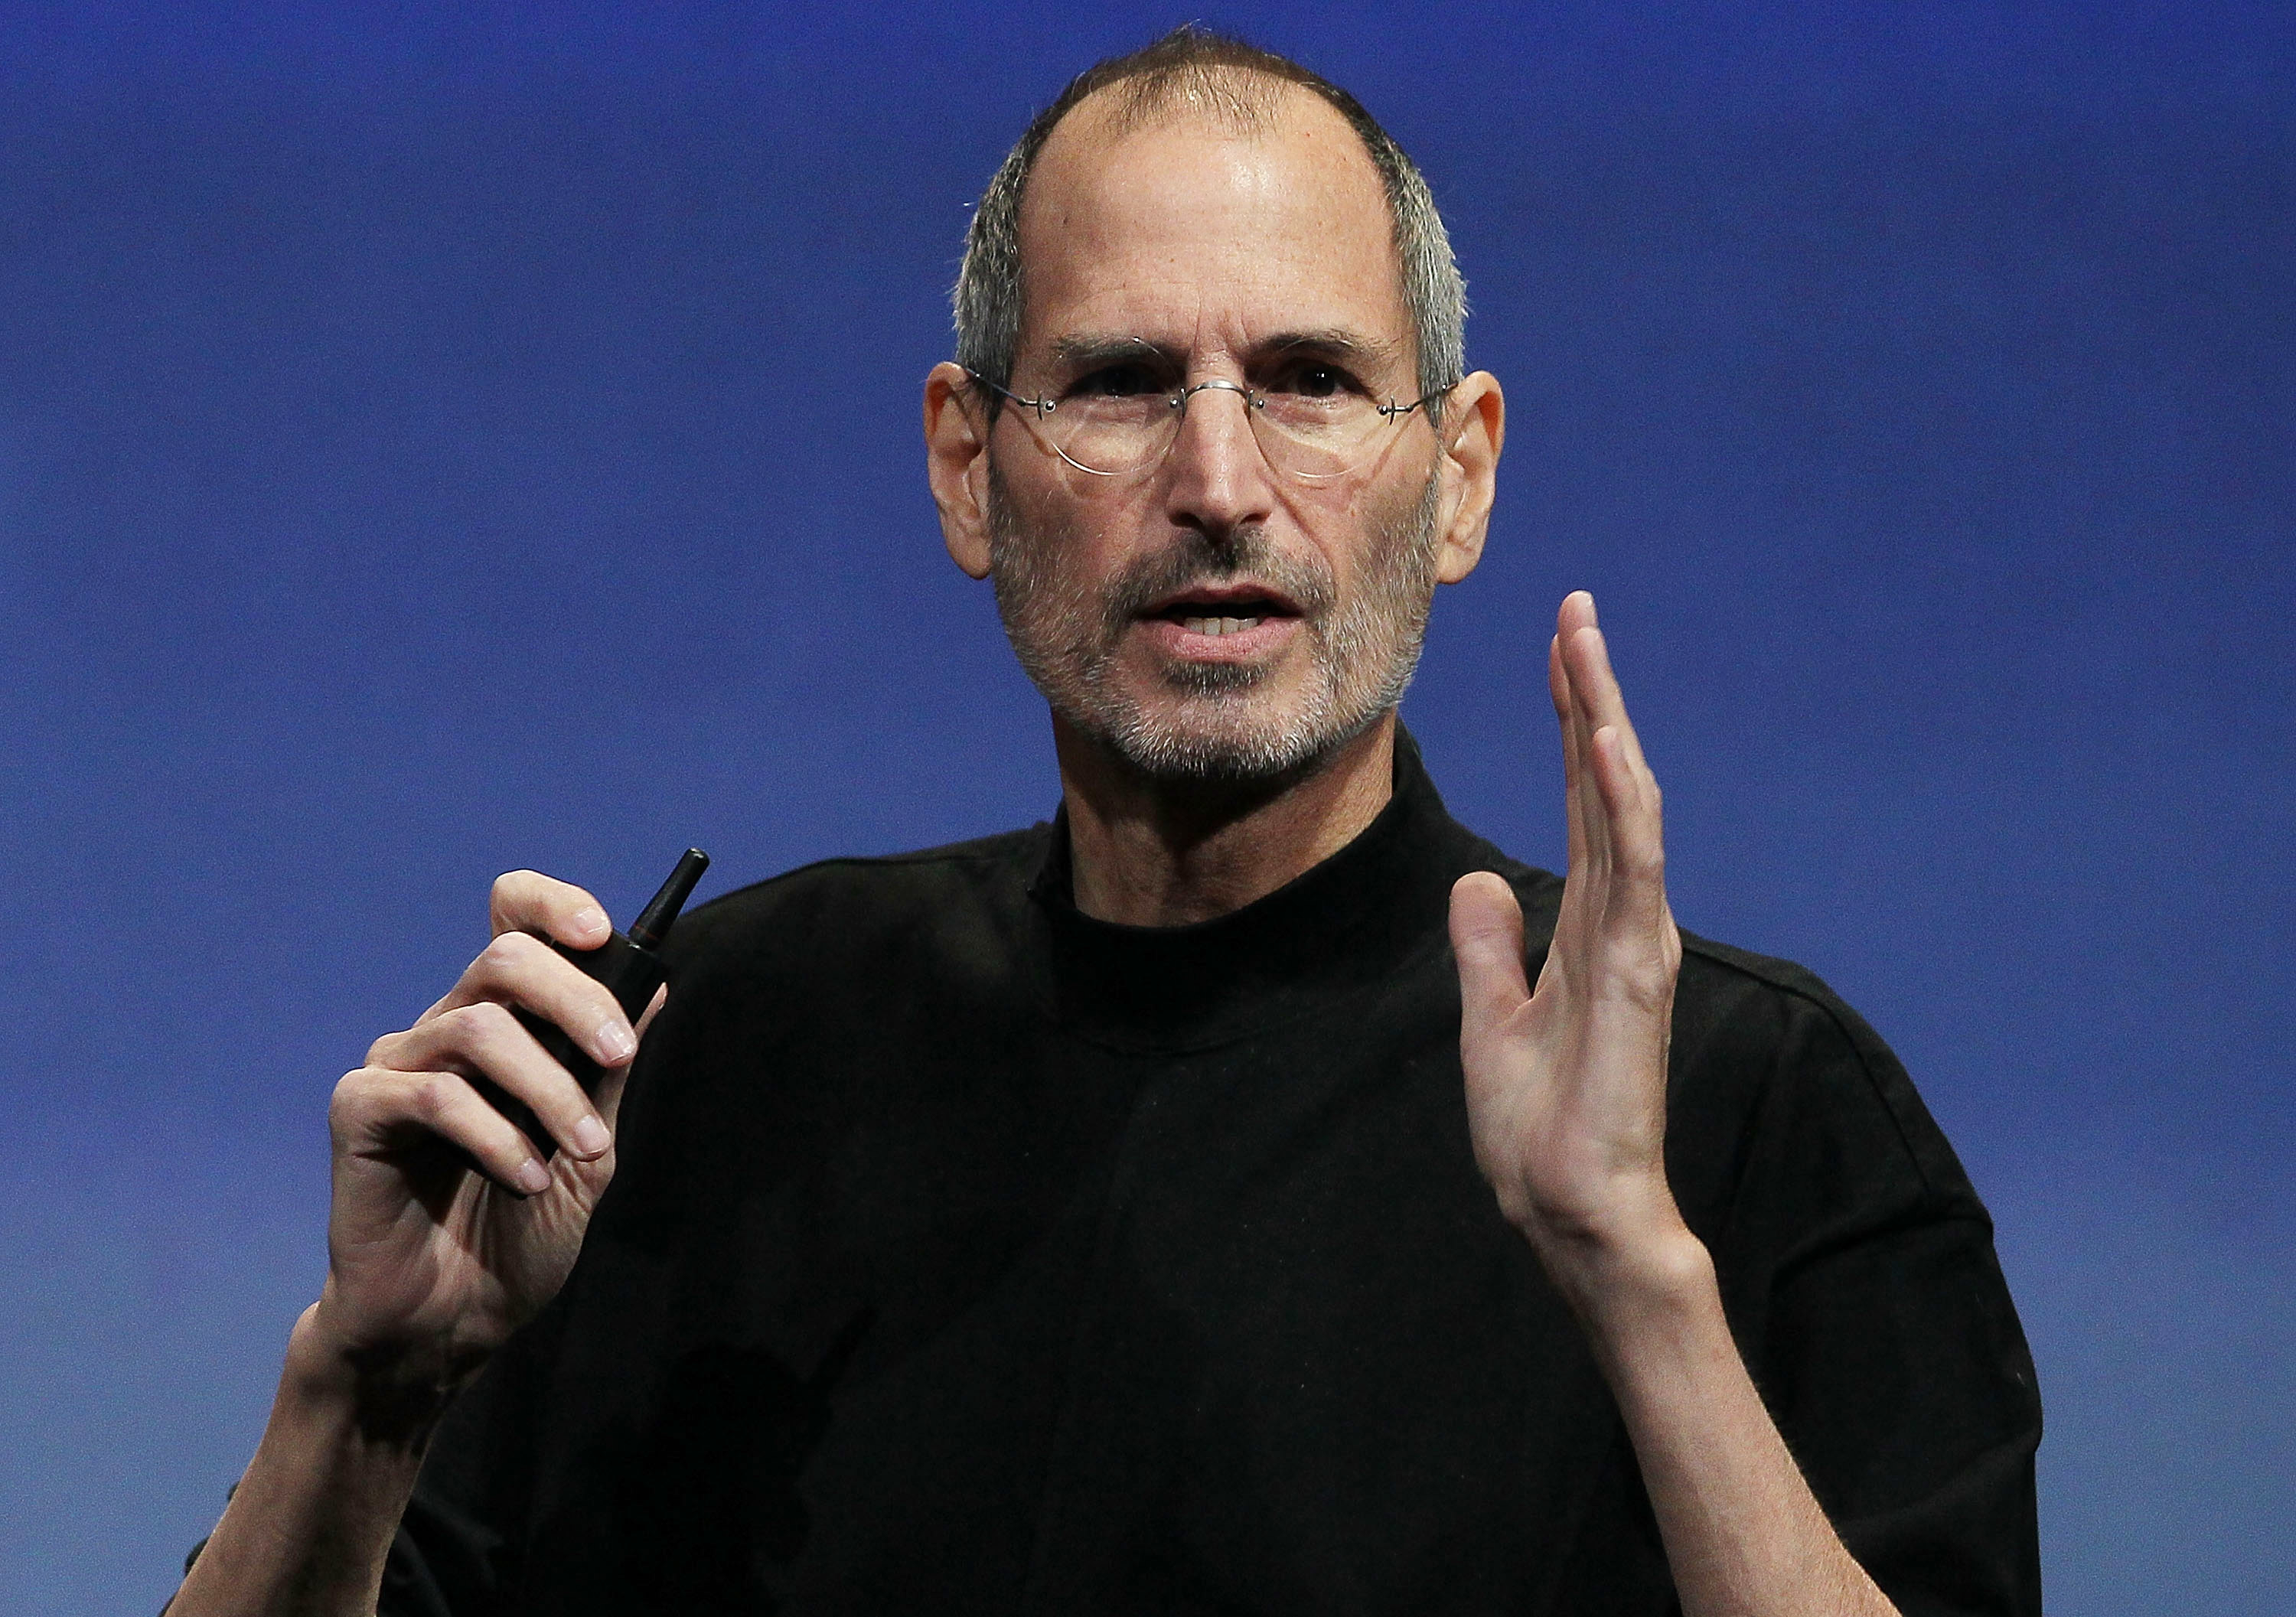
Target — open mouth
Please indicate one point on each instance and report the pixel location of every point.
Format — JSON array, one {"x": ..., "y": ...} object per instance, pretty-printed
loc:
[{"x": 1227, "y": 609}]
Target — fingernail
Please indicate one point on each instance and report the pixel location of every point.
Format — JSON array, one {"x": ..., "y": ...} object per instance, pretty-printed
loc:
[
  {"x": 590, "y": 1138},
  {"x": 589, "y": 919},
  {"x": 615, "y": 1042},
  {"x": 532, "y": 1177}
]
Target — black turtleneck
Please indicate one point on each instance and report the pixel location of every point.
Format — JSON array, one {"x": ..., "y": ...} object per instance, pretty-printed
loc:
[{"x": 968, "y": 1254}]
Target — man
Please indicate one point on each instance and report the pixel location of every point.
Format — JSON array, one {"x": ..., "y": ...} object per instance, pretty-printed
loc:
[{"x": 1192, "y": 1205}]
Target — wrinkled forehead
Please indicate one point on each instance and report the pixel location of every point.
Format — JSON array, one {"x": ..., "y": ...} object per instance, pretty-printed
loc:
[{"x": 1205, "y": 224}]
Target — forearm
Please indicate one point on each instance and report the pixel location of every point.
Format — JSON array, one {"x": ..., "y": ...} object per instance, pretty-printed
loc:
[
  {"x": 311, "y": 1521},
  {"x": 1743, "y": 1535}
]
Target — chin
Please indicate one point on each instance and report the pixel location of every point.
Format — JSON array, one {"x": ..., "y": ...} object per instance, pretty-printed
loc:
[{"x": 1221, "y": 727}]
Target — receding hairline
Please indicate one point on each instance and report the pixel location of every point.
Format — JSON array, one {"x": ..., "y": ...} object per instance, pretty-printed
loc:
[
  {"x": 1223, "y": 80},
  {"x": 1234, "y": 98},
  {"x": 1216, "y": 97},
  {"x": 1247, "y": 115},
  {"x": 1236, "y": 94}
]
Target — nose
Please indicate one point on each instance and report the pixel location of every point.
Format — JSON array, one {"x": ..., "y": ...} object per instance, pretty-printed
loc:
[{"x": 1216, "y": 480}]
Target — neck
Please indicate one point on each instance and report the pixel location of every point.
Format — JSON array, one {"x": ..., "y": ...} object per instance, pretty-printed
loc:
[{"x": 1146, "y": 852}]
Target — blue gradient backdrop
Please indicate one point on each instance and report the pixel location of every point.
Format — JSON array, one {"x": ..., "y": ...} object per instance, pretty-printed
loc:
[{"x": 436, "y": 439}]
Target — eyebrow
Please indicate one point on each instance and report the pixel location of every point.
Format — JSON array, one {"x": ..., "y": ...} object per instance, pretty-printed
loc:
[
  {"x": 1338, "y": 341},
  {"x": 1096, "y": 348},
  {"x": 1080, "y": 349}
]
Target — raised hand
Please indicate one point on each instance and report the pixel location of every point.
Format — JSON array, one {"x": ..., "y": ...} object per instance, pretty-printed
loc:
[
  {"x": 430, "y": 1265},
  {"x": 1566, "y": 1082}
]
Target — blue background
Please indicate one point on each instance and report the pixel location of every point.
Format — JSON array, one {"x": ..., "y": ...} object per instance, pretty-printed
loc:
[{"x": 436, "y": 439}]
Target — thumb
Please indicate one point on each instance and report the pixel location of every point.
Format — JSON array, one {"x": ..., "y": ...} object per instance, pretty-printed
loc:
[{"x": 1487, "y": 937}]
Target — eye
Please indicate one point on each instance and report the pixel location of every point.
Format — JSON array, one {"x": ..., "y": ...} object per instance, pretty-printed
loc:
[
  {"x": 1126, "y": 380},
  {"x": 1314, "y": 379}
]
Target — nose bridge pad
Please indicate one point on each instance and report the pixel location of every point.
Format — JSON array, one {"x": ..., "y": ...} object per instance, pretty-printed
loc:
[{"x": 1221, "y": 385}]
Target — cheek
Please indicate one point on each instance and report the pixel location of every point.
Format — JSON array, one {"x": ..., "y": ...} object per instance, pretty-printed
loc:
[
  {"x": 1372, "y": 532},
  {"x": 1072, "y": 543}
]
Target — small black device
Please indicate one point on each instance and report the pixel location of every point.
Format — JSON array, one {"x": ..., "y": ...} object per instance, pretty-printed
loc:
[{"x": 631, "y": 970}]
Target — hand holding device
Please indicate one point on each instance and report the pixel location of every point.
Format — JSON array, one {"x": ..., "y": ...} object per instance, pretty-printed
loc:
[
  {"x": 628, "y": 967},
  {"x": 432, "y": 1266}
]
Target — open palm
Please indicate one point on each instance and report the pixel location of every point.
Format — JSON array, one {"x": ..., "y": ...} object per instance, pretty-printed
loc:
[{"x": 1566, "y": 1081}]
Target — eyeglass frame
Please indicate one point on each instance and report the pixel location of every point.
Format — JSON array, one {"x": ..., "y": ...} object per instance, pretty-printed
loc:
[{"x": 1177, "y": 399}]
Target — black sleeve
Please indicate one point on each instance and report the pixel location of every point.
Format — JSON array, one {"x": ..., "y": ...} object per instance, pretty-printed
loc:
[
  {"x": 1859, "y": 1272},
  {"x": 446, "y": 1560},
  {"x": 453, "y": 1554},
  {"x": 461, "y": 1548}
]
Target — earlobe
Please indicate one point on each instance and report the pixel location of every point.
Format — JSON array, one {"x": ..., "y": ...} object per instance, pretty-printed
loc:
[{"x": 956, "y": 466}]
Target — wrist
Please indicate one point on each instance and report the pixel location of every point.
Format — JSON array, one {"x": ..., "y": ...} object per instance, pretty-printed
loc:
[
  {"x": 1651, "y": 1311},
  {"x": 310, "y": 1522},
  {"x": 1655, "y": 1274},
  {"x": 1628, "y": 1274},
  {"x": 1629, "y": 1236},
  {"x": 388, "y": 1397}
]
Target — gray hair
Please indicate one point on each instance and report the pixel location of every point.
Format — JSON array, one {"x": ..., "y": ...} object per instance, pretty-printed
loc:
[{"x": 1229, "y": 79}]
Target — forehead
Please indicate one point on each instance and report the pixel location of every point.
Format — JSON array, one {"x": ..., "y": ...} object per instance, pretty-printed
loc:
[{"x": 1206, "y": 232}]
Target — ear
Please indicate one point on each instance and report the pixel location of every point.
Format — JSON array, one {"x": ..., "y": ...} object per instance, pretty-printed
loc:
[
  {"x": 956, "y": 466},
  {"x": 1474, "y": 429}
]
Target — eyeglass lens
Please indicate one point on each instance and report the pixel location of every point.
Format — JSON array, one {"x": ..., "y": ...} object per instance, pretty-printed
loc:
[{"x": 1306, "y": 434}]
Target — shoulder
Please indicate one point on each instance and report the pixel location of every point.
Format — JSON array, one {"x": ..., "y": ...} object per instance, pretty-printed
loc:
[
  {"x": 843, "y": 967},
  {"x": 1791, "y": 1126},
  {"x": 1772, "y": 1071},
  {"x": 1806, "y": 1056},
  {"x": 838, "y": 908}
]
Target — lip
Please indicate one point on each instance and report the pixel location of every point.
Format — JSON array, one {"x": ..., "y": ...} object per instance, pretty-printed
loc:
[
  {"x": 1279, "y": 620},
  {"x": 1177, "y": 641},
  {"x": 1212, "y": 597}
]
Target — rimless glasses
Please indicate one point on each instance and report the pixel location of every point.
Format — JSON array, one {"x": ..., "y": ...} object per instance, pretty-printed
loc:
[{"x": 1312, "y": 420}]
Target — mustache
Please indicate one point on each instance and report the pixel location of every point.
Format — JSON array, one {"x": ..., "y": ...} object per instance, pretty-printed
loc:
[{"x": 1197, "y": 560}]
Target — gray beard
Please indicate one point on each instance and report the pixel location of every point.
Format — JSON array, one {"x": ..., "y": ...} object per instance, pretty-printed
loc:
[{"x": 1364, "y": 649}]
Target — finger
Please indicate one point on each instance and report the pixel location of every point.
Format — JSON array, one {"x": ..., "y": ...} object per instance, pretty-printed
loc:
[
  {"x": 1626, "y": 815},
  {"x": 653, "y": 1009},
  {"x": 518, "y": 968},
  {"x": 485, "y": 1040},
  {"x": 1574, "y": 818},
  {"x": 528, "y": 902},
  {"x": 1600, "y": 711},
  {"x": 1597, "y": 682},
  {"x": 608, "y": 1095},
  {"x": 1632, "y": 789},
  {"x": 1637, "y": 889},
  {"x": 377, "y": 1111},
  {"x": 1487, "y": 937},
  {"x": 1587, "y": 796}
]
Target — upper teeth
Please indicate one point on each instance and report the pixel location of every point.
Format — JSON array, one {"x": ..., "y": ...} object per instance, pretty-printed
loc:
[{"x": 1218, "y": 625}]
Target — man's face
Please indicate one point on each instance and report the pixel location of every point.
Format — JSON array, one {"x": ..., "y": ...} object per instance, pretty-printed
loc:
[{"x": 1212, "y": 617}]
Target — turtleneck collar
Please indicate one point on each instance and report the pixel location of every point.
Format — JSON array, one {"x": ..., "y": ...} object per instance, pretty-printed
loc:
[{"x": 1338, "y": 930}]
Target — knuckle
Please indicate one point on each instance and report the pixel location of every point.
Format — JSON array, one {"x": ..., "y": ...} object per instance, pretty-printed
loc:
[
  {"x": 503, "y": 898},
  {"x": 515, "y": 890},
  {"x": 431, "y": 1098},
  {"x": 505, "y": 953},
  {"x": 351, "y": 1093},
  {"x": 450, "y": 1033},
  {"x": 474, "y": 1026},
  {"x": 489, "y": 1022}
]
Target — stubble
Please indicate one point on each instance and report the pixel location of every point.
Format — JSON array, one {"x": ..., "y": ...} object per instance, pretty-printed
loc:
[{"x": 1214, "y": 721}]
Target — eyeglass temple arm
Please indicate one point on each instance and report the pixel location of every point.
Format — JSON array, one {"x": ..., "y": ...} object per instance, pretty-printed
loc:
[
  {"x": 1391, "y": 409},
  {"x": 1042, "y": 407}
]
